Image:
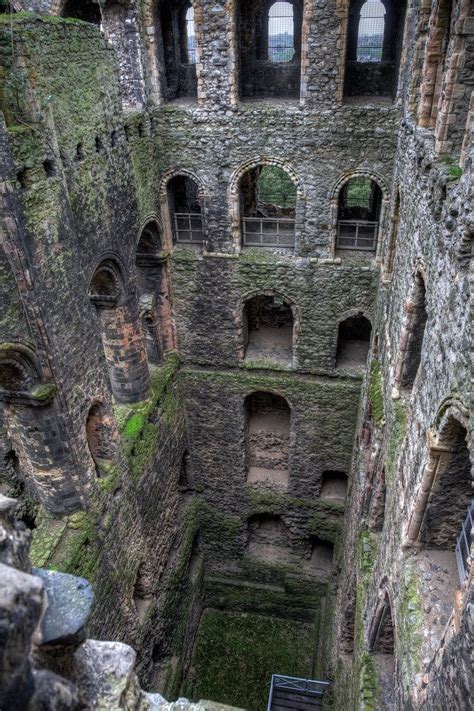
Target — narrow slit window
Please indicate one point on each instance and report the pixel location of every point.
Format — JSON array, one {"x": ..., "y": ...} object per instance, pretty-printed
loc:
[
  {"x": 190, "y": 36},
  {"x": 371, "y": 32},
  {"x": 281, "y": 34}
]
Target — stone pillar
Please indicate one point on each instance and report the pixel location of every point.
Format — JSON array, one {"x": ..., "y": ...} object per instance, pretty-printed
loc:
[{"x": 125, "y": 353}]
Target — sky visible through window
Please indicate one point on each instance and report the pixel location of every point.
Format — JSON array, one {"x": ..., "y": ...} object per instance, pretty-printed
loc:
[
  {"x": 371, "y": 31},
  {"x": 190, "y": 35},
  {"x": 281, "y": 47}
]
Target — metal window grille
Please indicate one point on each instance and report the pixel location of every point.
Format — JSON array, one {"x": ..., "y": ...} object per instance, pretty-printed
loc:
[
  {"x": 357, "y": 234},
  {"x": 190, "y": 36},
  {"x": 307, "y": 687},
  {"x": 359, "y": 193},
  {"x": 371, "y": 32},
  {"x": 268, "y": 232},
  {"x": 281, "y": 30},
  {"x": 464, "y": 545},
  {"x": 188, "y": 227}
]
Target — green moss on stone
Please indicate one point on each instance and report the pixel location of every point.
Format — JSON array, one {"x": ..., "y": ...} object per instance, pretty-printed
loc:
[{"x": 236, "y": 653}]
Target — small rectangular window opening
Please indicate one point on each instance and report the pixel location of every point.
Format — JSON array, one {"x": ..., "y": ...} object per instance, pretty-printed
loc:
[{"x": 281, "y": 43}]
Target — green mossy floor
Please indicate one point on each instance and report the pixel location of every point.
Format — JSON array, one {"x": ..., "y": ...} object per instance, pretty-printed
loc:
[{"x": 236, "y": 653}]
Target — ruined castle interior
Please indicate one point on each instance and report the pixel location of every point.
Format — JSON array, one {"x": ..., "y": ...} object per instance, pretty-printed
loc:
[{"x": 235, "y": 454}]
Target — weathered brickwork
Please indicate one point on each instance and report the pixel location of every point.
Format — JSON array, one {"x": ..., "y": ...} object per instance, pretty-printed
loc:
[{"x": 165, "y": 460}]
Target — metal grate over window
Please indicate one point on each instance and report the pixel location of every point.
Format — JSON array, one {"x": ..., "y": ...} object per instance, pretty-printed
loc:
[
  {"x": 281, "y": 31},
  {"x": 190, "y": 36},
  {"x": 371, "y": 32},
  {"x": 358, "y": 192}
]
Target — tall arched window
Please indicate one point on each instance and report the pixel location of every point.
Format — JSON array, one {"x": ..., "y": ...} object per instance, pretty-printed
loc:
[
  {"x": 374, "y": 43},
  {"x": 360, "y": 201},
  {"x": 189, "y": 37},
  {"x": 185, "y": 210},
  {"x": 281, "y": 31},
  {"x": 371, "y": 32},
  {"x": 267, "y": 323},
  {"x": 268, "y": 204},
  {"x": 177, "y": 48},
  {"x": 270, "y": 47},
  {"x": 267, "y": 439}
]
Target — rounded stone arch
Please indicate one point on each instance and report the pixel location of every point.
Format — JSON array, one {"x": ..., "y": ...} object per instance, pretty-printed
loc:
[
  {"x": 108, "y": 282},
  {"x": 152, "y": 221},
  {"x": 166, "y": 217},
  {"x": 450, "y": 409},
  {"x": 234, "y": 193},
  {"x": 334, "y": 205},
  {"x": 346, "y": 316},
  {"x": 443, "y": 444},
  {"x": 19, "y": 368},
  {"x": 270, "y": 391},
  {"x": 385, "y": 600}
]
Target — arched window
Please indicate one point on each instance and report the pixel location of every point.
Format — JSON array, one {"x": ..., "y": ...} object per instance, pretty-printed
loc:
[
  {"x": 374, "y": 39},
  {"x": 267, "y": 439},
  {"x": 189, "y": 36},
  {"x": 322, "y": 553},
  {"x": 281, "y": 40},
  {"x": 101, "y": 438},
  {"x": 371, "y": 32},
  {"x": 267, "y": 204},
  {"x": 177, "y": 48},
  {"x": 353, "y": 341},
  {"x": 121, "y": 333},
  {"x": 382, "y": 647},
  {"x": 86, "y": 10},
  {"x": 185, "y": 210},
  {"x": 359, "y": 205},
  {"x": 270, "y": 48},
  {"x": 268, "y": 329},
  {"x": 414, "y": 333}
]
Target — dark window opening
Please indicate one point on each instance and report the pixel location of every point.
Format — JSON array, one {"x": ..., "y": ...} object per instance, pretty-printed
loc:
[
  {"x": 359, "y": 205},
  {"x": 270, "y": 48},
  {"x": 185, "y": 210},
  {"x": 375, "y": 33},
  {"x": 185, "y": 478},
  {"x": 268, "y": 329},
  {"x": 416, "y": 332},
  {"x": 334, "y": 485},
  {"x": 113, "y": 139},
  {"x": 177, "y": 49},
  {"x": 86, "y": 10},
  {"x": 13, "y": 377},
  {"x": 100, "y": 438},
  {"x": 322, "y": 553},
  {"x": 142, "y": 595},
  {"x": 79, "y": 152},
  {"x": 150, "y": 335},
  {"x": 105, "y": 286},
  {"x": 353, "y": 341},
  {"x": 49, "y": 168},
  {"x": 268, "y": 204},
  {"x": 99, "y": 146},
  {"x": 267, "y": 439}
]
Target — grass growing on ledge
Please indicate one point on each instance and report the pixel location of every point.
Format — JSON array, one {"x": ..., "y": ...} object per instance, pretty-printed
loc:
[{"x": 236, "y": 653}]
